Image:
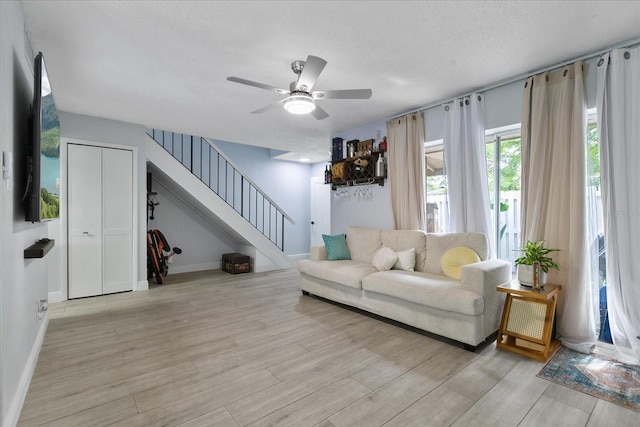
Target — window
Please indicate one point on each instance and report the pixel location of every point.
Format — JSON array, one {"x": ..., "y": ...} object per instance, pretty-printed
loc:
[
  {"x": 595, "y": 221},
  {"x": 503, "y": 151},
  {"x": 437, "y": 204}
]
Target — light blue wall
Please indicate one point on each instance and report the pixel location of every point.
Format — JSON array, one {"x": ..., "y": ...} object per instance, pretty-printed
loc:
[
  {"x": 503, "y": 106},
  {"x": 286, "y": 183},
  {"x": 201, "y": 241}
]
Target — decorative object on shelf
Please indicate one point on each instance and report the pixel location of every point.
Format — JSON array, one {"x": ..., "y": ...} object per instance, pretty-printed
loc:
[
  {"x": 337, "y": 147},
  {"x": 352, "y": 147},
  {"x": 337, "y": 172},
  {"x": 365, "y": 148},
  {"x": 341, "y": 194},
  {"x": 327, "y": 175},
  {"x": 535, "y": 252},
  {"x": 361, "y": 165},
  {"x": 383, "y": 145},
  {"x": 380, "y": 166},
  {"x": 360, "y": 194}
]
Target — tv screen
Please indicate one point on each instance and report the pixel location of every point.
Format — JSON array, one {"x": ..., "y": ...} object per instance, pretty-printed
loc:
[{"x": 43, "y": 155}]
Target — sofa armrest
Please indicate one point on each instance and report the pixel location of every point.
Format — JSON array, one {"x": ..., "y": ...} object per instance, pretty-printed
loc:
[
  {"x": 318, "y": 253},
  {"x": 483, "y": 278}
]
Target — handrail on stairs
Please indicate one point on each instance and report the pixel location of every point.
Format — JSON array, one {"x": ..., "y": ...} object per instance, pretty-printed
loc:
[{"x": 214, "y": 169}]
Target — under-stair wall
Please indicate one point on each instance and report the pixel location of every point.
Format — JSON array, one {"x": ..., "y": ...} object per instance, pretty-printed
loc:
[{"x": 233, "y": 215}]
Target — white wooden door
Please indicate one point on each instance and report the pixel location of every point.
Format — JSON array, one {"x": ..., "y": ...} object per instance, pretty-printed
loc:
[
  {"x": 101, "y": 253},
  {"x": 117, "y": 220},
  {"x": 320, "y": 211},
  {"x": 85, "y": 220}
]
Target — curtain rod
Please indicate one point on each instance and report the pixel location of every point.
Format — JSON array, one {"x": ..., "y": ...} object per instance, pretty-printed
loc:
[{"x": 625, "y": 44}]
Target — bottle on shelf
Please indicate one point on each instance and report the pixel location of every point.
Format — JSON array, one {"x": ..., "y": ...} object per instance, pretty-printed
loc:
[
  {"x": 380, "y": 166},
  {"x": 383, "y": 145},
  {"x": 327, "y": 175}
]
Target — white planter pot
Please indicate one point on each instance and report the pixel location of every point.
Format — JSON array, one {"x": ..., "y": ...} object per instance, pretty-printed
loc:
[{"x": 525, "y": 275}]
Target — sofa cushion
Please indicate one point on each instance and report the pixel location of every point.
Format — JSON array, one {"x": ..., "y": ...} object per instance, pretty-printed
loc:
[
  {"x": 426, "y": 289},
  {"x": 455, "y": 258},
  {"x": 363, "y": 243},
  {"x": 406, "y": 260},
  {"x": 336, "y": 247},
  {"x": 438, "y": 244},
  {"x": 401, "y": 240},
  {"x": 344, "y": 272},
  {"x": 384, "y": 259}
]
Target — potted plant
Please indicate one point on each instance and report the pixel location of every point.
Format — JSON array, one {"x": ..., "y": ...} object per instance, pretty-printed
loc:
[{"x": 532, "y": 252}]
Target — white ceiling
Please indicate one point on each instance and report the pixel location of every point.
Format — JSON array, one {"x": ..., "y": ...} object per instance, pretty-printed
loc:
[{"x": 164, "y": 64}]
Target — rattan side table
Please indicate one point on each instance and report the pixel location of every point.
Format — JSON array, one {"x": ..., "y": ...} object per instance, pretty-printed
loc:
[{"x": 526, "y": 327}]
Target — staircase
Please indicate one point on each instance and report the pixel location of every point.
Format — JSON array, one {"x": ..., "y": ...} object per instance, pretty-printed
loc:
[{"x": 213, "y": 184}]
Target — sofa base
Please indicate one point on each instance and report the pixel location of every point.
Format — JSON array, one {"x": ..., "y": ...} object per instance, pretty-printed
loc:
[{"x": 460, "y": 328}]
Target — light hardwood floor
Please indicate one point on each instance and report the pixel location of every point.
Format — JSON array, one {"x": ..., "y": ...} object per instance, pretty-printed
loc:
[{"x": 214, "y": 349}]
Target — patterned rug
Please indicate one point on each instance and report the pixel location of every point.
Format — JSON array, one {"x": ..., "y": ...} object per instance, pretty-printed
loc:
[{"x": 595, "y": 375}]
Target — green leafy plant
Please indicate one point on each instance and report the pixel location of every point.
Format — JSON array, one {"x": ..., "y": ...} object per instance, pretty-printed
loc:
[{"x": 535, "y": 251}]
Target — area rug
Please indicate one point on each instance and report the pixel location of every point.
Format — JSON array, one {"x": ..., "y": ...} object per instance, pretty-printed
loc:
[{"x": 595, "y": 375}]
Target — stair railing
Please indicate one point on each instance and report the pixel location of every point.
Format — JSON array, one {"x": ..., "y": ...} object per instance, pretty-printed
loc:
[{"x": 214, "y": 169}]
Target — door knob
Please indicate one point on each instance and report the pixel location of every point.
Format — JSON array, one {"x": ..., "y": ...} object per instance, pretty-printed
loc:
[{"x": 312, "y": 223}]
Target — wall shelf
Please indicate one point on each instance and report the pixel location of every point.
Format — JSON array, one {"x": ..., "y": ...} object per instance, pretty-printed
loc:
[
  {"x": 39, "y": 249},
  {"x": 355, "y": 171}
]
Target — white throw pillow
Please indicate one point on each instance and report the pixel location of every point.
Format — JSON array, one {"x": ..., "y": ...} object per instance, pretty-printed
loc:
[
  {"x": 384, "y": 259},
  {"x": 406, "y": 260}
]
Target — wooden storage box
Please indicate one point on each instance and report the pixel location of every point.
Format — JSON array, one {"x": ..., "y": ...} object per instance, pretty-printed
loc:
[{"x": 235, "y": 263}]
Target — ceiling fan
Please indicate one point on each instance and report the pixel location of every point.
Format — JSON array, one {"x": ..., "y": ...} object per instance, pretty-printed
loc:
[{"x": 300, "y": 98}]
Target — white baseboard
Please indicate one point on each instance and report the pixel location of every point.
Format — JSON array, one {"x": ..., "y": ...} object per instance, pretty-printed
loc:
[
  {"x": 56, "y": 297},
  {"x": 15, "y": 407},
  {"x": 265, "y": 267},
  {"x": 298, "y": 257},
  {"x": 195, "y": 267},
  {"x": 142, "y": 285}
]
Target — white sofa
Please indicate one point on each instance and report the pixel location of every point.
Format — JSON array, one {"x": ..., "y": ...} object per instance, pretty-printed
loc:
[{"x": 466, "y": 310}]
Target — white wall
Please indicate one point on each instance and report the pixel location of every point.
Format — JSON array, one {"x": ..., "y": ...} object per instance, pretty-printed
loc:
[
  {"x": 202, "y": 243},
  {"x": 22, "y": 281},
  {"x": 375, "y": 212}
]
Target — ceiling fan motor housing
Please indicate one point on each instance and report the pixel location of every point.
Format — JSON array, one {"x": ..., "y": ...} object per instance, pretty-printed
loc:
[{"x": 297, "y": 66}]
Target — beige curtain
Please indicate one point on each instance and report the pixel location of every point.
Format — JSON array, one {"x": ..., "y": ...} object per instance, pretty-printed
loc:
[
  {"x": 554, "y": 198},
  {"x": 406, "y": 171}
]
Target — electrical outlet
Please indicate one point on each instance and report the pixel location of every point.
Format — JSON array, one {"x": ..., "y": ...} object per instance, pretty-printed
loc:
[{"x": 41, "y": 307}]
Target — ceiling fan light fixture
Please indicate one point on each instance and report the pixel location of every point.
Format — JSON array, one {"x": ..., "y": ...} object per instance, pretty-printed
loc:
[{"x": 299, "y": 103}]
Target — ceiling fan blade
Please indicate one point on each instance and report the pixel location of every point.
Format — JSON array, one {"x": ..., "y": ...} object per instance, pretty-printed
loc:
[
  {"x": 259, "y": 85},
  {"x": 319, "y": 113},
  {"x": 269, "y": 107},
  {"x": 342, "y": 94},
  {"x": 313, "y": 66}
]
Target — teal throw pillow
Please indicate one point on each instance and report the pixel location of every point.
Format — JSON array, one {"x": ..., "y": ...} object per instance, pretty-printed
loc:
[{"x": 336, "y": 247}]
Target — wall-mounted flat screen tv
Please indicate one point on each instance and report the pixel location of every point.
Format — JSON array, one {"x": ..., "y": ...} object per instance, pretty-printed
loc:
[{"x": 42, "y": 193}]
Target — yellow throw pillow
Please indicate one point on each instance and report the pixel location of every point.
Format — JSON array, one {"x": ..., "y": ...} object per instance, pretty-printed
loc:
[{"x": 453, "y": 260}]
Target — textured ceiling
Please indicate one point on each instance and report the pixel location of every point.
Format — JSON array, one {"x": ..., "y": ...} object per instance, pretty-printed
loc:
[{"x": 164, "y": 64}]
